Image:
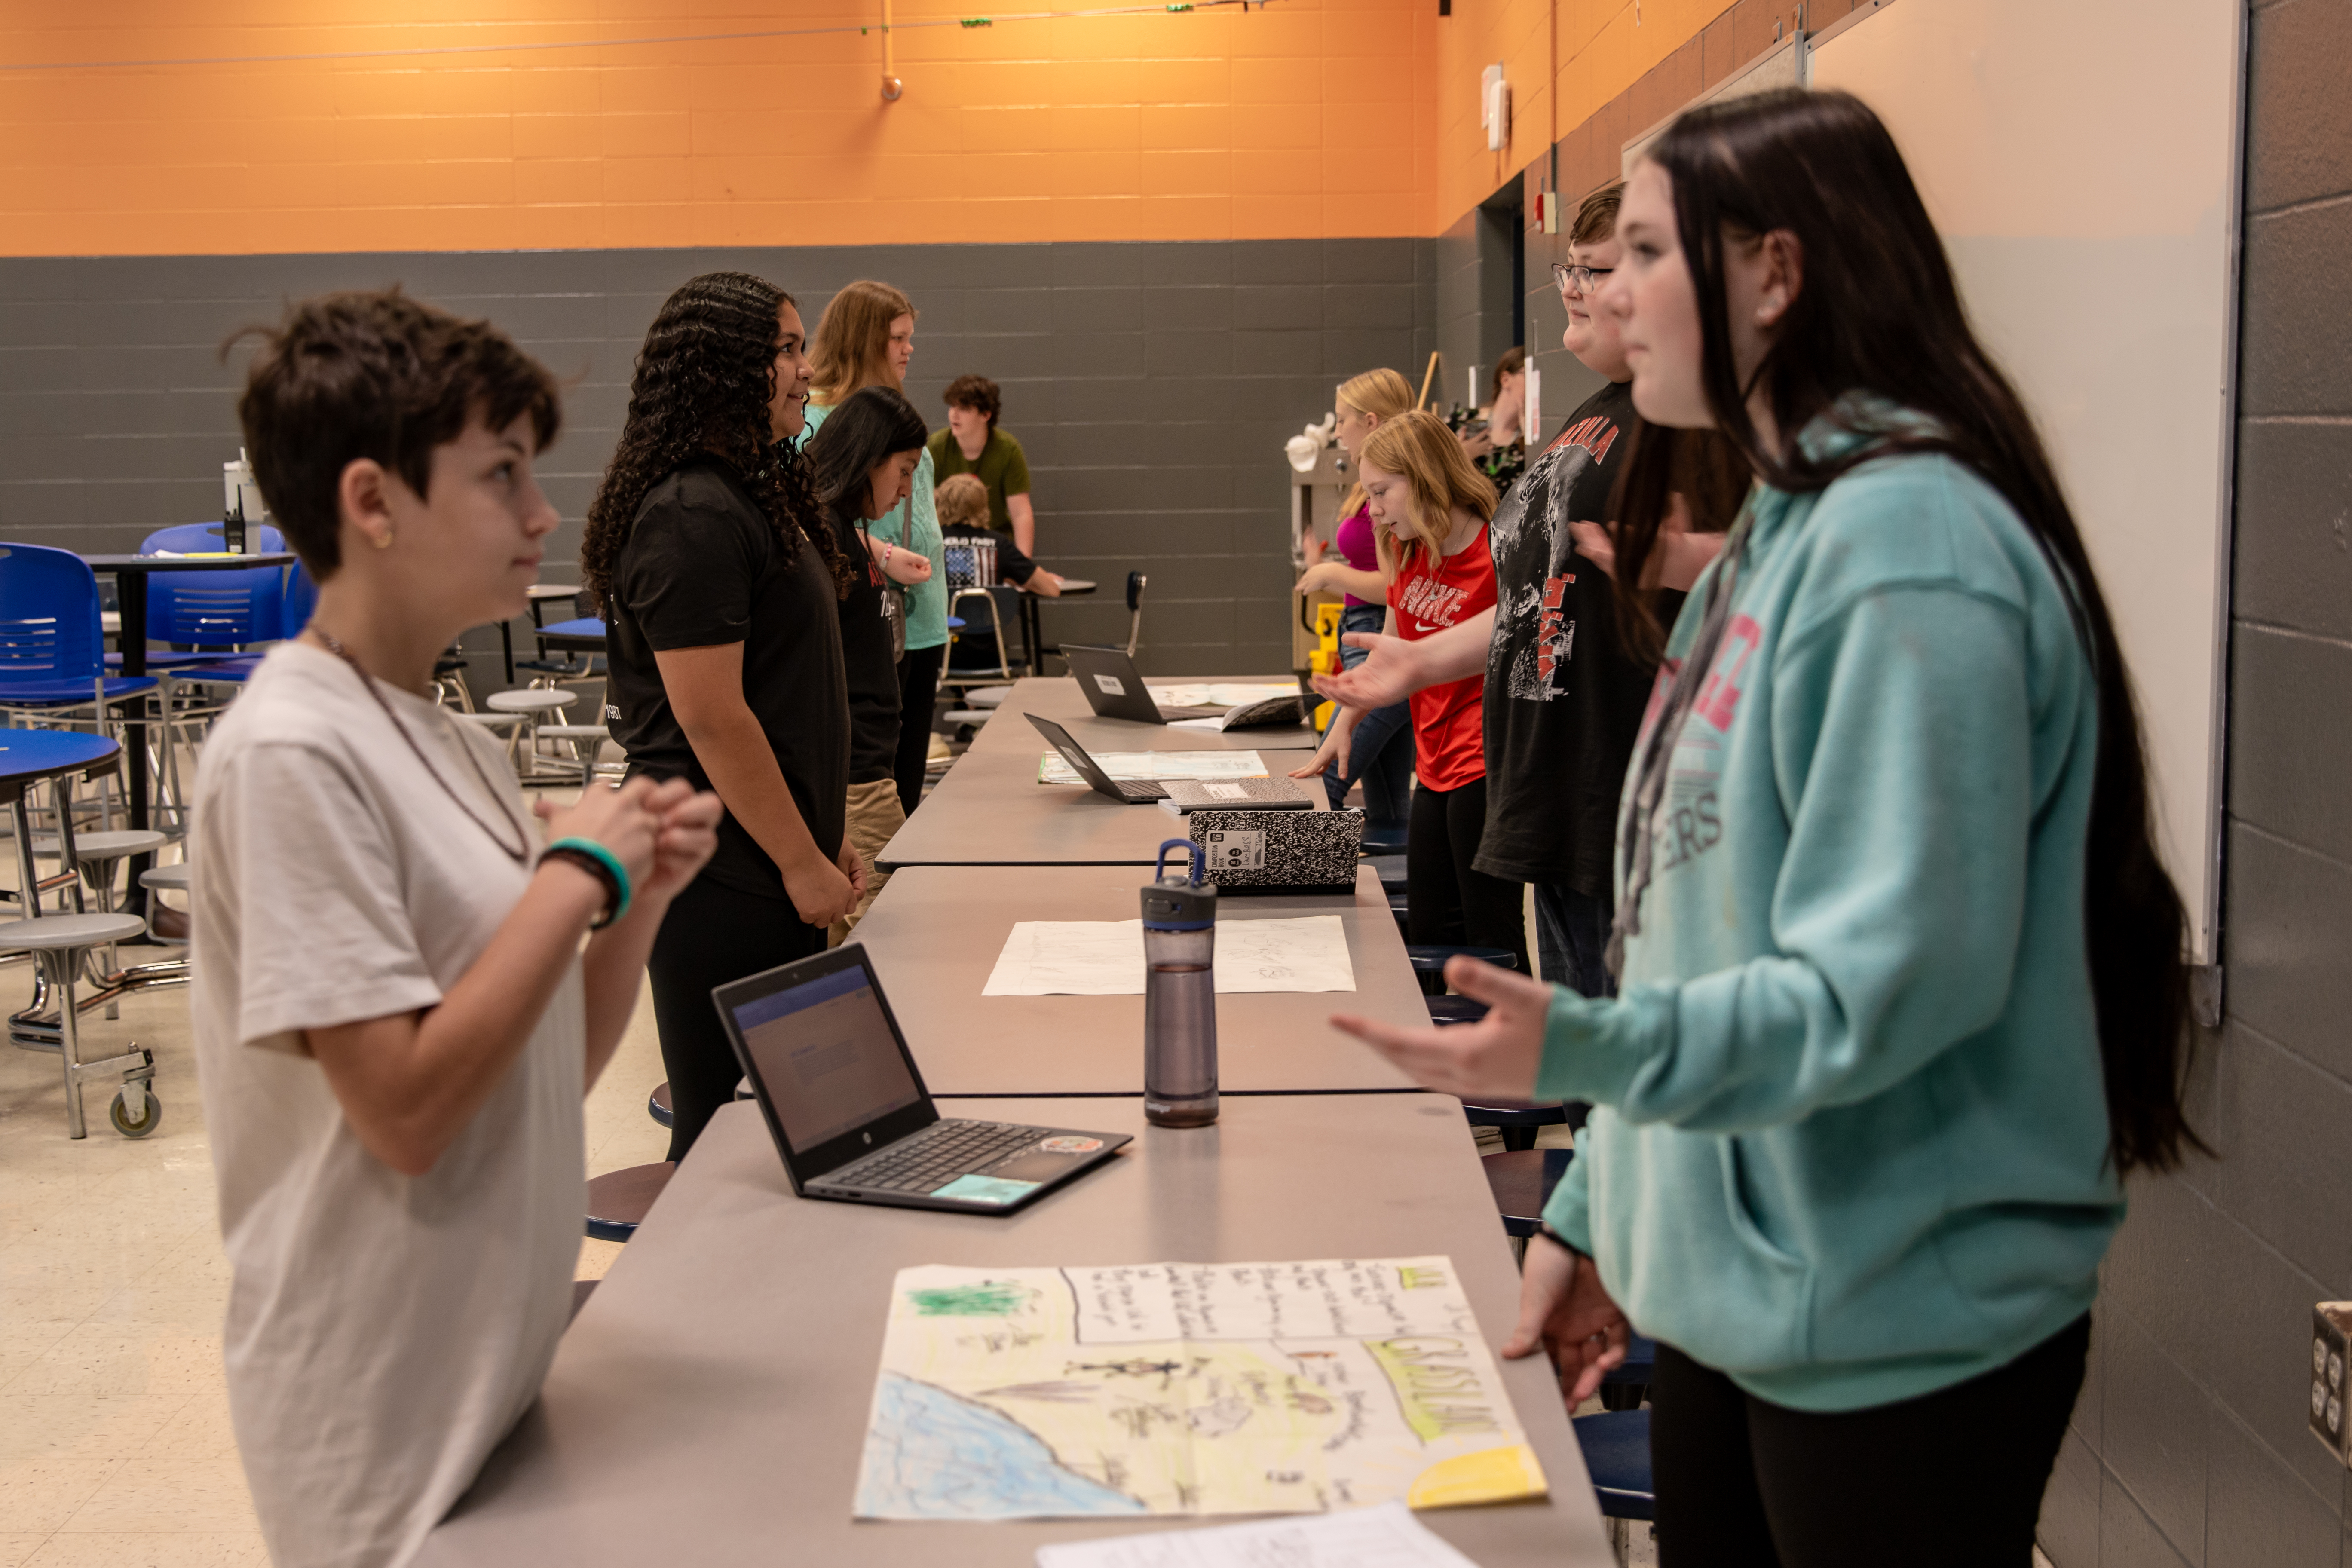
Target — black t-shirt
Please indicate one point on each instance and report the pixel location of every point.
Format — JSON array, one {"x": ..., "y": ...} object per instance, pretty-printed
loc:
[
  {"x": 870, "y": 666},
  {"x": 1012, "y": 566},
  {"x": 703, "y": 567},
  {"x": 1563, "y": 701}
]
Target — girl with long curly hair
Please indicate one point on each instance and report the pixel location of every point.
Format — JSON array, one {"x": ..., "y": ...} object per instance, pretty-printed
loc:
[{"x": 715, "y": 566}]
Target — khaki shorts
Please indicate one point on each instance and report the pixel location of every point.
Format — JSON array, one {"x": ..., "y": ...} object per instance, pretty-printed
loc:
[{"x": 874, "y": 818}]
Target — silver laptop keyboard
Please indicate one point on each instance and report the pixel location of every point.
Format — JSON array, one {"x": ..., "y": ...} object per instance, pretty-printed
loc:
[{"x": 935, "y": 1156}]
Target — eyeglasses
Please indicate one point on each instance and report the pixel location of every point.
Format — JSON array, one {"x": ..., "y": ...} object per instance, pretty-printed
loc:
[{"x": 1577, "y": 278}]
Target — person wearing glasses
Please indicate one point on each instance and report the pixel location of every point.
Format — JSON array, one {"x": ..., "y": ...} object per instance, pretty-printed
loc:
[{"x": 1564, "y": 689}]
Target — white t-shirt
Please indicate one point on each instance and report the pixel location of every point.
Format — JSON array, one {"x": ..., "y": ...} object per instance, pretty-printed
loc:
[{"x": 385, "y": 1331}]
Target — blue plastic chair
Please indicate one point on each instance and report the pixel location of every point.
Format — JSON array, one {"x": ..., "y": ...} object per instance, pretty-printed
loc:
[
  {"x": 52, "y": 650},
  {"x": 1616, "y": 1445},
  {"x": 198, "y": 537},
  {"x": 214, "y": 611},
  {"x": 301, "y": 599}
]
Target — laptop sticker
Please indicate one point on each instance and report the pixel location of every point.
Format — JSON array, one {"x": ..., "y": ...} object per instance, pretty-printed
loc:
[
  {"x": 1066, "y": 1144},
  {"x": 985, "y": 1189},
  {"x": 1111, "y": 684},
  {"x": 1216, "y": 790}
]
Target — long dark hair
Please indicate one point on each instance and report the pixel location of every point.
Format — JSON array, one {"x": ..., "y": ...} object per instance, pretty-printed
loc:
[
  {"x": 1878, "y": 312},
  {"x": 1709, "y": 471},
  {"x": 703, "y": 381},
  {"x": 875, "y": 424}
]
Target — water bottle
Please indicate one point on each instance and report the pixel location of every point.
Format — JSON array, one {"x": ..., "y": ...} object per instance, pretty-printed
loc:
[{"x": 1180, "y": 993}]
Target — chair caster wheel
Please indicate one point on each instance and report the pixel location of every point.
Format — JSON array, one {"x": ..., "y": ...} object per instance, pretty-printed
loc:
[{"x": 134, "y": 1121}]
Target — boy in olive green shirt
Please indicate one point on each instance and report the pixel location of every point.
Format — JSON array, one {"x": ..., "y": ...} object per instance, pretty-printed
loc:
[{"x": 972, "y": 444}]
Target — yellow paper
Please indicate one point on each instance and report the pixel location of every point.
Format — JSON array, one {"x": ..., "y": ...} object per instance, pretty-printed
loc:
[{"x": 1187, "y": 1389}]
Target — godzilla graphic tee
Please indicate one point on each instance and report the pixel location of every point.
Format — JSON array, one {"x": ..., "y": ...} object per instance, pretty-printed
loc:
[{"x": 1563, "y": 699}]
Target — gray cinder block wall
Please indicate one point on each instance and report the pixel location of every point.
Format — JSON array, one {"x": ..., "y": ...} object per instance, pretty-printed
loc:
[
  {"x": 1152, "y": 385},
  {"x": 2189, "y": 1445}
]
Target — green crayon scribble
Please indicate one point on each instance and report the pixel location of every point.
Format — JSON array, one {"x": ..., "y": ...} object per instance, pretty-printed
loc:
[{"x": 989, "y": 1298}]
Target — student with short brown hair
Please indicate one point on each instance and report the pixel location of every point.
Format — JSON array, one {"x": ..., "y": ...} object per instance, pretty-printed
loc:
[
  {"x": 972, "y": 444},
  {"x": 395, "y": 1015}
]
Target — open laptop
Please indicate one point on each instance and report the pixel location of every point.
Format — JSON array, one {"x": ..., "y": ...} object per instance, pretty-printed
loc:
[
  {"x": 849, "y": 1110},
  {"x": 1128, "y": 792},
  {"x": 1114, "y": 690}
]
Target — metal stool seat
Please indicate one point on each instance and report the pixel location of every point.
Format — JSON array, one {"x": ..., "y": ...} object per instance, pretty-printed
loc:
[
  {"x": 1444, "y": 1010},
  {"x": 59, "y": 944},
  {"x": 58, "y": 934},
  {"x": 586, "y": 740},
  {"x": 1522, "y": 1181},
  {"x": 987, "y": 696},
  {"x": 619, "y": 1200},
  {"x": 177, "y": 877},
  {"x": 531, "y": 700},
  {"x": 489, "y": 720},
  {"x": 657, "y": 1106},
  {"x": 112, "y": 846}
]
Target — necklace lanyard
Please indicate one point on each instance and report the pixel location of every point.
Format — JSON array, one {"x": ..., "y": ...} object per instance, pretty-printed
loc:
[{"x": 518, "y": 853}]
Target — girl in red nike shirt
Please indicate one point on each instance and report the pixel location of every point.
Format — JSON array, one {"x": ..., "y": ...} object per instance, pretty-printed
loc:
[{"x": 1430, "y": 509}]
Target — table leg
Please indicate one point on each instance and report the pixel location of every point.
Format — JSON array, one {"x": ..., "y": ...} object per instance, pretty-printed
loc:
[
  {"x": 505, "y": 643},
  {"x": 1032, "y": 631},
  {"x": 130, "y": 593}
]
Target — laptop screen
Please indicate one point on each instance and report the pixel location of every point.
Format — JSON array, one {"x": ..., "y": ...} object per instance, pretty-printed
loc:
[{"x": 826, "y": 1056}]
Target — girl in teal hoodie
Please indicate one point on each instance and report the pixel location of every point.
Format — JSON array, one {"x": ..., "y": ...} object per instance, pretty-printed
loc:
[{"x": 1902, "y": 987}]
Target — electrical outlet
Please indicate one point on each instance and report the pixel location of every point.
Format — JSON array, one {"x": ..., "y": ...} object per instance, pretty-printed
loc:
[{"x": 2331, "y": 1324}]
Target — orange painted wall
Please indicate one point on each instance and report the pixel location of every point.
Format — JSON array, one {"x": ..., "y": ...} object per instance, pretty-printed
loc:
[
  {"x": 1301, "y": 120},
  {"x": 1565, "y": 59},
  {"x": 1307, "y": 119}
]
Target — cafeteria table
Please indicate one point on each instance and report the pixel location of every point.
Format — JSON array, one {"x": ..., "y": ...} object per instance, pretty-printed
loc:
[
  {"x": 990, "y": 810},
  {"x": 129, "y": 574},
  {"x": 935, "y": 933},
  {"x": 1057, "y": 698},
  {"x": 710, "y": 1403}
]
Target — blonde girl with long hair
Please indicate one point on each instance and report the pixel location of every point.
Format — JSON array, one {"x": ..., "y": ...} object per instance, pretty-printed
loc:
[
  {"x": 1429, "y": 509},
  {"x": 1376, "y": 753},
  {"x": 866, "y": 338}
]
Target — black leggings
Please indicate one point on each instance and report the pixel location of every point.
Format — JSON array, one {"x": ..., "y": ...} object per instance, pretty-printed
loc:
[
  {"x": 1951, "y": 1479},
  {"x": 1446, "y": 902},
  {"x": 713, "y": 934},
  {"x": 918, "y": 683}
]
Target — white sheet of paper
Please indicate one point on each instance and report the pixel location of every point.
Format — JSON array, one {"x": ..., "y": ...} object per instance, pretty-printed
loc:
[
  {"x": 1387, "y": 1536},
  {"x": 1222, "y": 693},
  {"x": 1052, "y": 770},
  {"x": 1105, "y": 958}
]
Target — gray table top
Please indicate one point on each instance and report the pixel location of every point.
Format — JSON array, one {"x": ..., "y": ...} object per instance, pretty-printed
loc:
[
  {"x": 1057, "y": 698},
  {"x": 991, "y": 810},
  {"x": 936, "y": 930},
  {"x": 709, "y": 1404}
]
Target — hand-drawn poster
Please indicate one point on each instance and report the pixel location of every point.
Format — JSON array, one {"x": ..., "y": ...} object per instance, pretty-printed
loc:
[{"x": 1187, "y": 1388}]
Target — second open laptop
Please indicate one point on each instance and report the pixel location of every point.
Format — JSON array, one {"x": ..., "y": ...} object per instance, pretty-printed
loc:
[
  {"x": 849, "y": 1110},
  {"x": 1115, "y": 691}
]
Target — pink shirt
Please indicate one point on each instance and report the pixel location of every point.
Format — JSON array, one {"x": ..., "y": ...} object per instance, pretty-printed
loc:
[{"x": 1353, "y": 540}]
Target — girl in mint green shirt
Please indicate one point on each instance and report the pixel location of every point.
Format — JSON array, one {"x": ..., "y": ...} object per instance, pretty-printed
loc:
[
  {"x": 866, "y": 338},
  {"x": 1902, "y": 985}
]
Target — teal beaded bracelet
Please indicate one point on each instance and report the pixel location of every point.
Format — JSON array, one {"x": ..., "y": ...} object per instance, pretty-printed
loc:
[{"x": 615, "y": 875}]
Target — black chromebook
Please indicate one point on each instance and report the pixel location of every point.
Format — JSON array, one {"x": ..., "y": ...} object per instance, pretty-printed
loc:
[{"x": 849, "y": 1112}]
